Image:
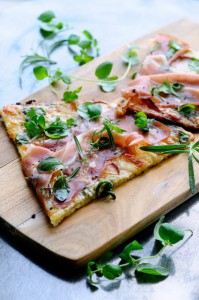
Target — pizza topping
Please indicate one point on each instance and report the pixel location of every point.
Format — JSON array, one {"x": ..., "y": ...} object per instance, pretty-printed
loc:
[
  {"x": 166, "y": 89},
  {"x": 89, "y": 111},
  {"x": 142, "y": 121},
  {"x": 186, "y": 108},
  {"x": 49, "y": 164},
  {"x": 104, "y": 188}
]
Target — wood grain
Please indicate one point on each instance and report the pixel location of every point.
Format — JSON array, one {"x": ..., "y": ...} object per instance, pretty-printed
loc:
[{"x": 101, "y": 225}]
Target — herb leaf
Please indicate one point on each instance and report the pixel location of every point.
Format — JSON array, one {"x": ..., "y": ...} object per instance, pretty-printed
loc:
[
  {"x": 191, "y": 175},
  {"x": 61, "y": 188},
  {"x": 56, "y": 130},
  {"x": 71, "y": 122},
  {"x": 194, "y": 64},
  {"x": 103, "y": 70},
  {"x": 131, "y": 56},
  {"x": 79, "y": 148},
  {"x": 70, "y": 96},
  {"x": 40, "y": 72},
  {"x": 89, "y": 111},
  {"x": 186, "y": 108},
  {"x": 111, "y": 271},
  {"x": 126, "y": 253},
  {"x": 47, "y": 16},
  {"x": 22, "y": 138},
  {"x": 170, "y": 234},
  {"x": 152, "y": 269},
  {"x": 142, "y": 121},
  {"x": 49, "y": 164}
]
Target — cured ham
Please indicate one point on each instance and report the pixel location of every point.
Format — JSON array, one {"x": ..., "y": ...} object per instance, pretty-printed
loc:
[
  {"x": 166, "y": 54},
  {"x": 163, "y": 97}
]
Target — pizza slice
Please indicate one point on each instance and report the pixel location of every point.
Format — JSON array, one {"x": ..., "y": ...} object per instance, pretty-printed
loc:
[
  {"x": 168, "y": 97},
  {"x": 167, "y": 54},
  {"x": 71, "y": 165}
]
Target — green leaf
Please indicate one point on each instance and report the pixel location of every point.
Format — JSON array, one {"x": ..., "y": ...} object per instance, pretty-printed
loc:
[
  {"x": 22, "y": 138},
  {"x": 104, "y": 69},
  {"x": 186, "y": 108},
  {"x": 191, "y": 176},
  {"x": 56, "y": 130},
  {"x": 34, "y": 112},
  {"x": 71, "y": 122},
  {"x": 87, "y": 34},
  {"x": 61, "y": 188},
  {"x": 89, "y": 111},
  {"x": 70, "y": 96},
  {"x": 126, "y": 253},
  {"x": 40, "y": 72},
  {"x": 109, "y": 84},
  {"x": 41, "y": 122},
  {"x": 156, "y": 229},
  {"x": 90, "y": 266},
  {"x": 134, "y": 75},
  {"x": 73, "y": 39},
  {"x": 33, "y": 129},
  {"x": 110, "y": 135},
  {"x": 47, "y": 16},
  {"x": 85, "y": 44},
  {"x": 194, "y": 64},
  {"x": 152, "y": 269},
  {"x": 174, "y": 45},
  {"x": 111, "y": 271},
  {"x": 131, "y": 56},
  {"x": 83, "y": 57},
  {"x": 56, "y": 45},
  {"x": 142, "y": 121},
  {"x": 79, "y": 148},
  {"x": 67, "y": 80},
  {"x": 170, "y": 234},
  {"x": 49, "y": 164},
  {"x": 46, "y": 34}
]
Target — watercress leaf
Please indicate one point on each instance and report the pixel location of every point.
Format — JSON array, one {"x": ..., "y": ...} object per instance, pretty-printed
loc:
[
  {"x": 40, "y": 72},
  {"x": 34, "y": 112},
  {"x": 71, "y": 122},
  {"x": 94, "y": 111},
  {"x": 47, "y": 34},
  {"x": 194, "y": 64},
  {"x": 152, "y": 269},
  {"x": 104, "y": 69},
  {"x": 47, "y": 16},
  {"x": 156, "y": 229},
  {"x": 22, "y": 138},
  {"x": 90, "y": 269},
  {"x": 126, "y": 253},
  {"x": 186, "y": 108},
  {"x": 83, "y": 57},
  {"x": 73, "y": 39},
  {"x": 70, "y": 96},
  {"x": 41, "y": 122},
  {"x": 85, "y": 44},
  {"x": 89, "y": 111},
  {"x": 61, "y": 188},
  {"x": 170, "y": 234},
  {"x": 107, "y": 87},
  {"x": 56, "y": 130},
  {"x": 104, "y": 258},
  {"x": 49, "y": 164},
  {"x": 33, "y": 129},
  {"x": 131, "y": 56},
  {"x": 174, "y": 45},
  {"x": 55, "y": 45},
  {"x": 87, "y": 34},
  {"x": 111, "y": 271},
  {"x": 134, "y": 75}
]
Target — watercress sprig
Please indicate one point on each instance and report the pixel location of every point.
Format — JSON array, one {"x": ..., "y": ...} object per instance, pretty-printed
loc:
[
  {"x": 190, "y": 149},
  {"x": 167, "y": 234},
  {"x": 142, "y": 121},
  {"x": 166, "y": 89}
]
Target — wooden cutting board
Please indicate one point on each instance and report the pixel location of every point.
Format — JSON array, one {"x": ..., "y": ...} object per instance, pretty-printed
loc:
[{"x": 101, "y": 225}]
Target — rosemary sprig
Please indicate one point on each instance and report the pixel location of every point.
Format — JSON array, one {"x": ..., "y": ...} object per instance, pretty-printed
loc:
[{"x": 176, "y": 149}]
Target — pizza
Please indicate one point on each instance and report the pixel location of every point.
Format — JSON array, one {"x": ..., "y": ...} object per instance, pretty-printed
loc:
[
  {"x": 71, "y": 165},
  {"x": 167, "y": 97}
]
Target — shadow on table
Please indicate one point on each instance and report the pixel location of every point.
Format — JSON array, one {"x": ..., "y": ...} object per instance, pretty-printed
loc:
[{"x": 60, "y": 268}]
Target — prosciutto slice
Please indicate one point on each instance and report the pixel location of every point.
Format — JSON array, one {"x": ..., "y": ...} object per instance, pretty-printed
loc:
[{"x": 139, "y": 96}]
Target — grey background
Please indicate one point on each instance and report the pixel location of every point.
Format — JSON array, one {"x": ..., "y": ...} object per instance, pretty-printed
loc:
[{"x": 25, "y": 272}]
